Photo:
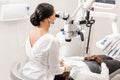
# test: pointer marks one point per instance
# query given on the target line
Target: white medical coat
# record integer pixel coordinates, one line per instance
(43, 63)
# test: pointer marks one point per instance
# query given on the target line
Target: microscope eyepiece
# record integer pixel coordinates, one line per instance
(57, 15)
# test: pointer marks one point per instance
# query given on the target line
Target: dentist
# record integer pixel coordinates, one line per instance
(42, 48)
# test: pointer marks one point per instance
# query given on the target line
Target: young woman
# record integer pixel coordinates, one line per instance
(42, 48)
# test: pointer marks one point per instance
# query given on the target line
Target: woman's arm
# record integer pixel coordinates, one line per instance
(54, 62)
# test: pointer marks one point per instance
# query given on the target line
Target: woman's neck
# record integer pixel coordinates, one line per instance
(44, 27)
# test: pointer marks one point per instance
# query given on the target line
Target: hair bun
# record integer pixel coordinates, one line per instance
(34, 20)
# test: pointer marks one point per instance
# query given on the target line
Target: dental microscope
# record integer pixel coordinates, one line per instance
(70, 21)
(71, 25)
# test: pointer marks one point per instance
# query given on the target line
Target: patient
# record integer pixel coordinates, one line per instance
(96, 67)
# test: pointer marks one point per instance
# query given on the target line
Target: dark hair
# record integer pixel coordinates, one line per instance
(43, 11)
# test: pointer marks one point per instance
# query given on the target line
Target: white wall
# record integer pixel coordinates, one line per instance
(14, 34)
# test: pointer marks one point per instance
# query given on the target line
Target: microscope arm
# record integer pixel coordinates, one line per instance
(111, 16)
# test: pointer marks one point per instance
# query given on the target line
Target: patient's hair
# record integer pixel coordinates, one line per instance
(43, 11)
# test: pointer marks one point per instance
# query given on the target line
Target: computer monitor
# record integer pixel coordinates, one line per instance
(109, 4)
(106, 1)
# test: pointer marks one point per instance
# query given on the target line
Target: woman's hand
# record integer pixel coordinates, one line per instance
(62, 63)
(67, 67)
(66, 75)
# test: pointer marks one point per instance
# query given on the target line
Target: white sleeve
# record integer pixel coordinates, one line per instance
(75, 58)
(54, 63)
(104, 71)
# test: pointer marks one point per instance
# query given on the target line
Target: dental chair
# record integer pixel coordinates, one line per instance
(16, 71)
(115, 75)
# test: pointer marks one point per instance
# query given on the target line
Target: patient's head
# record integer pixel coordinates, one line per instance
(42, 12)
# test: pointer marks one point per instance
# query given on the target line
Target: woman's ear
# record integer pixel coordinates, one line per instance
(49, 20)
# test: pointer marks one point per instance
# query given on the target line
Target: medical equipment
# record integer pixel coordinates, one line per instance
(13, 12)
(111, 16)
(4, 1)
(106, 3)
(110, 45)
(70, 21)
(72, 26)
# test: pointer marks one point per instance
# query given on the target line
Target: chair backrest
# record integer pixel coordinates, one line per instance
(16, 73)
(115, 73)
(116, 77)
